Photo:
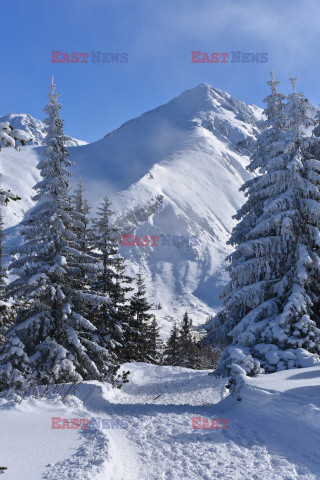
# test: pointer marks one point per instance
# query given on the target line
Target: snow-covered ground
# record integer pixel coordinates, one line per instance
(272, 434)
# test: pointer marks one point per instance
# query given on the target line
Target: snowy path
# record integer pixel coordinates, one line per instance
(263, 440)
(273, 433)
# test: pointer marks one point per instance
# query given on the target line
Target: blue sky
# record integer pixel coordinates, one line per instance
(158, 36)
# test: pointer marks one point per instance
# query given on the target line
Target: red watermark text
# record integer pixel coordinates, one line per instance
(198, 423)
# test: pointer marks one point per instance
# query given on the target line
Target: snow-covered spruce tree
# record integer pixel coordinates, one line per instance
(187, 349)
(50, 342)
(138, 341)
(3, 274)
(81, 212)
(110, 317)
(267, 144)
(207, 356)
(83, 273)
(5, 310)
(268, 306)
(314, 151)
(85, 267)
(155, 344)
(8, 307)
(171, 352)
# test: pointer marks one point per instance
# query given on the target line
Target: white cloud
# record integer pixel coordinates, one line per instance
(288, 30)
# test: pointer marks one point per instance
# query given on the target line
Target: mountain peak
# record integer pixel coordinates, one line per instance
(205, 97)
(196, 106)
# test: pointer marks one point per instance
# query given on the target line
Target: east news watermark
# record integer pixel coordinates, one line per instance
(199, 423)
(228, 57)
(97, 56)
(58, 423)
(163, 240)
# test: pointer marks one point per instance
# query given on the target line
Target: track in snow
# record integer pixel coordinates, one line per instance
(262, 442)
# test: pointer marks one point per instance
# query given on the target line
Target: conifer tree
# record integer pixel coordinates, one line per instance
(139, 348)
(171, 353)
(314, 154)
(81, 211)
(206, 356)
(111, 313)
(154, 343)
(8, 307)
(187, 348)
(190, 352)
(268, 310)
(85, 267)
(51, 341)
(267, 145)
(5, 311)
(2, 269)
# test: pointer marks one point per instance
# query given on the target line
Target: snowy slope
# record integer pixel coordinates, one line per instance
(35, 128)
(176, 170)
(272, 434)
(29, 447)
(18, 170)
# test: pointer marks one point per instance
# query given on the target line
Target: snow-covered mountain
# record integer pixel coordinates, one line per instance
(35, 128)
(176, 170)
